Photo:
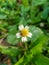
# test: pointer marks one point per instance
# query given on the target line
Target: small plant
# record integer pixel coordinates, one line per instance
(24, 32)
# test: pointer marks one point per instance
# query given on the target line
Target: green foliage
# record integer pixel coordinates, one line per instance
(33, 51)
(27, 12)
(41, 60)
(12, 51)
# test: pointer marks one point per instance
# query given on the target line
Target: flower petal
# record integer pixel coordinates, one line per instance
(21, 27)
(18, 35)
(27, 27)
(24, 39)
(29, 34)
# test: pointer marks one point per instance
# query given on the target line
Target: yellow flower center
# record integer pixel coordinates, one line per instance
(24, 32)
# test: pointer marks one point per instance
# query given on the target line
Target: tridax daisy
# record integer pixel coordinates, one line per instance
(24, 33)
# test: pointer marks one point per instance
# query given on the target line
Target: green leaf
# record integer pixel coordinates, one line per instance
(9, 50)
(41, 60)
(36, 33)
(2, 16)
(25, 3)
(44, 14)
(11, 39)
(12, 29)
(38, 2)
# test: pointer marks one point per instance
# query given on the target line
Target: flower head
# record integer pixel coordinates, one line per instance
(24, 33)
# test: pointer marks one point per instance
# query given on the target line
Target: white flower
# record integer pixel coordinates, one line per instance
(24, 33)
